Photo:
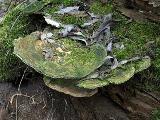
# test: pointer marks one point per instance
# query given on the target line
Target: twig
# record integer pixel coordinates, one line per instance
(66, 104)
(22, 79)
(20, 94)
(51, 111)
(44, 103)
(16, 109)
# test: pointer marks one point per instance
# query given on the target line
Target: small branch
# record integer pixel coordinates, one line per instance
(22, 79)
(20, 94)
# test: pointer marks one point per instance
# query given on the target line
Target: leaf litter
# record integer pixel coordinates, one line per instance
(102, 35)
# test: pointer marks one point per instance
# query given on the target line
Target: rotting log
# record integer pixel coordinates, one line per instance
(140, 9)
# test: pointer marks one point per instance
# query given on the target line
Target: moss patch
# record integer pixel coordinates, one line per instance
(16, 23)
(98, 8)
(139, 39)
(135, 37)
(156, 114)
(12, 28)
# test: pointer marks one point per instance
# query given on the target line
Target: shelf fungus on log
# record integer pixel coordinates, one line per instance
(68, 87)
(64, 58)
(68, 65)
(117, 76)
(142, 64)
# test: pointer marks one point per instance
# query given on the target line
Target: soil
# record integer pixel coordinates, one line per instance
(35, 101)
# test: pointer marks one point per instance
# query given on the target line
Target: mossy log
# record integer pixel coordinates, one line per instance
(137, 37)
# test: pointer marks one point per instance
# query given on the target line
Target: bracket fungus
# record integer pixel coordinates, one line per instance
(69, 87)
(62, 59)
(116, 76)
(68, 65)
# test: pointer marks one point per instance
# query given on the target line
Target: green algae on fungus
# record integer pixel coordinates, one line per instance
(70, 60)
(141, 65)
(118, 75)
(18, 24)
(68, 87)
(92, 83)
(66, 18)
(121, 75)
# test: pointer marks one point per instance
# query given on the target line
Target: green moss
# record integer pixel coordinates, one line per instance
(95, 7)
(156, 114)
(98, 8)
(156, 62)
(67, 19)
(11, 30)
(139, 39)
(60, 2)
(135, 37)
(55, 4)
(17, 23)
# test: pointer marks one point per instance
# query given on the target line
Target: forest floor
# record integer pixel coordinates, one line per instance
(36, 102)
(32, 100)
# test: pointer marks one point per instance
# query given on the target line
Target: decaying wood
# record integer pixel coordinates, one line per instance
(138, 9)
(134, 101)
